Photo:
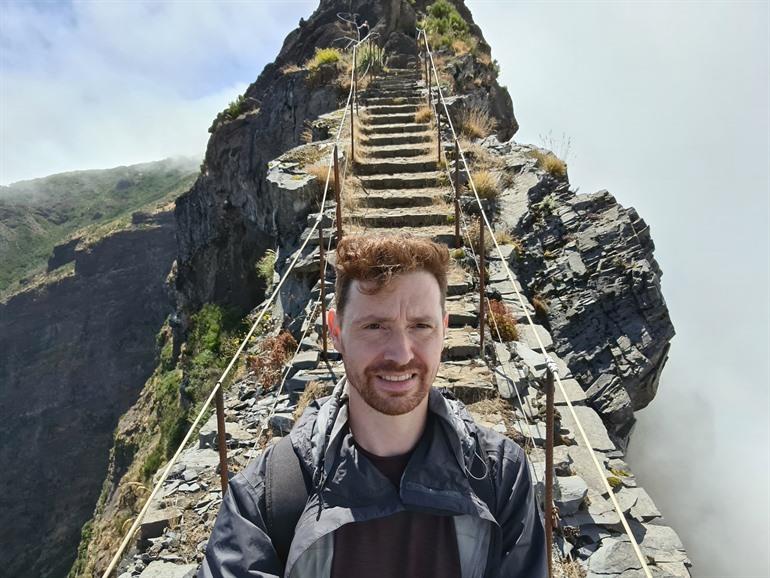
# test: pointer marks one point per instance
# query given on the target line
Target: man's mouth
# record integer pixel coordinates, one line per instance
(396, 378)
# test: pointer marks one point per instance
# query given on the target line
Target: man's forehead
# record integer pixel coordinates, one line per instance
(417, 289)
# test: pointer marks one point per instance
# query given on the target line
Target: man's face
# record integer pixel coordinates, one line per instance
(391, 341)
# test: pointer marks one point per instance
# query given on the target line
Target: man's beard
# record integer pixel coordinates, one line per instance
(393, 402)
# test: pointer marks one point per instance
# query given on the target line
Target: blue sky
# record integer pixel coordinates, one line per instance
(665, 104)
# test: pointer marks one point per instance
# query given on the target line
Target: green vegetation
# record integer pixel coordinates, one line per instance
(323, 56)
(444, 25)
(458, 254)
(38, 214)
(235, 108)
(369, 58)
(614, 482)
(266, 266)
(85, 538)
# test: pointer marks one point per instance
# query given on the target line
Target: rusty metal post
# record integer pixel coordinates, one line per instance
(548, 506)
(337, 194)
(321, 264)
(430, 88)
(221, 440)
(438, 131)
(482, 267)
(457, 194)
(352, 135)
(355, 76)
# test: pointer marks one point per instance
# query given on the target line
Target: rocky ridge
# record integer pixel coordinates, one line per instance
(504, 393)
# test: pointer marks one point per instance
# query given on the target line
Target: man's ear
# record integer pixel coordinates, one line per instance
(333, 323)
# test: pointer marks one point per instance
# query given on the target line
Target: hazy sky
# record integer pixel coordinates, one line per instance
(664, 104)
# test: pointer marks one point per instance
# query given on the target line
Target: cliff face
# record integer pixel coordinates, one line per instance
(75, 354)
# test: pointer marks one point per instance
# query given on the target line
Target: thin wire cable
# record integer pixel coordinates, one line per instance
(599, 468)
(225, 374)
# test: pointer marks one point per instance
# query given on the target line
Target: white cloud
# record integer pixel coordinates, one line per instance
(98, 84)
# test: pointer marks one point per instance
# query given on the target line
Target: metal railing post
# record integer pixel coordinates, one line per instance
(482, 290)
(337, 193)
(355, 76)
(438, 131)
(352, 135)
(548, 506)
(457, 194)
(322, 265)
(221, 439)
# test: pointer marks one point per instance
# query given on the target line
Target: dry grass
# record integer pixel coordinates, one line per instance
(319, 171)
(540, 305)
(460, 47)
(475, 121)
(273, 353)
(313, 391)
(566, 568)
(487, 184)
(423, 114)
(479, 157)
(550, 163)
(290, 68)
(474, 232)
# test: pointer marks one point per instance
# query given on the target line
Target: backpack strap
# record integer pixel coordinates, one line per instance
(286, 492)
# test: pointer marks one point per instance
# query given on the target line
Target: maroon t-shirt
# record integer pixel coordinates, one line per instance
(404, 545)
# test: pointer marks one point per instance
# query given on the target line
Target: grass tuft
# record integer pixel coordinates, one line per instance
(487, 184)
(550, 163)
(323, 56)
(423, 114)
(475, 121)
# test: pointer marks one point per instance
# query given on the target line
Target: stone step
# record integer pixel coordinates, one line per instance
(395, 128)
(403, 165)
(463, 310)
(386, 140)
(470, 380)
(389, 92)
(438, 233)
(458, 279)
(393, 151)
(389, 118)
(460, 344)
(393, 199)
(393, 85)
(391, 100)
(396, 218)
(393, 108)
(401, 180)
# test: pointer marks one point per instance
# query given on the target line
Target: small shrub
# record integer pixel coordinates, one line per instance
(450, 219)
(475, 121)
(273, 353)
(503, 238)
(423, 114)
(550, 163)
(444, 25)
(615, 482)
(540, 305)
(323, 56)
(486, 184)
(266, 266)
(501, 320)
(458, 254)
(235, 108)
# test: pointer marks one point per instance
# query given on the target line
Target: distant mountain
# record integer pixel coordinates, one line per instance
(38, 214)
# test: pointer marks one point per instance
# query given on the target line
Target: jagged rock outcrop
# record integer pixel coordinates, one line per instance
(589, 261)
(75, 354)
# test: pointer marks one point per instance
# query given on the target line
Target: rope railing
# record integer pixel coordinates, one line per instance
(431, 67)
(216, 392)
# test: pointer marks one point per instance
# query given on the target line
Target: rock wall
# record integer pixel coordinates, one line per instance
(75, 354)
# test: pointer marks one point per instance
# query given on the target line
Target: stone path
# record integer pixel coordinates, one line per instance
(398, 186)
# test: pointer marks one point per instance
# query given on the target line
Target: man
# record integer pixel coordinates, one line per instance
(403, 482)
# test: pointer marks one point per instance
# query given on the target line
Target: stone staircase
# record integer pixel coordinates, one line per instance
(398, 186)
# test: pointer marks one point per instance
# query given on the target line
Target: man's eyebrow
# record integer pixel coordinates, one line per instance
(380, 319)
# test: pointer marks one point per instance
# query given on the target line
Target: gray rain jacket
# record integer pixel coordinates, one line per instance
(502, 539)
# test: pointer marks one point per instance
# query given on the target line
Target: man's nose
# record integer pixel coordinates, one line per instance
(399, 348)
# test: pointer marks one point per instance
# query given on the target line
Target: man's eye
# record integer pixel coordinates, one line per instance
(372, 326)
(423, 326)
